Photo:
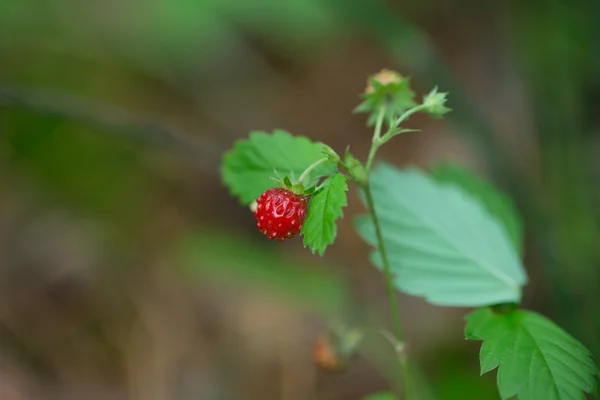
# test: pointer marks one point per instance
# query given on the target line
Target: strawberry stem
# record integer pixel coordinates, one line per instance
(379, 140)
(391, 292)
(387, 270)
(376, 142)
(310, 168)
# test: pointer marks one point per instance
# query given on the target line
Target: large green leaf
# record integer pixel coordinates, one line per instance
(325, 207)
(496, 203)
(535, 358)
(441, 243)
(247, 168)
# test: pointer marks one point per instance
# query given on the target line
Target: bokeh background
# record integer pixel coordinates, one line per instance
(128, 272)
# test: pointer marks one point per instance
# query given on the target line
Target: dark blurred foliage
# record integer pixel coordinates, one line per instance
(127, 270)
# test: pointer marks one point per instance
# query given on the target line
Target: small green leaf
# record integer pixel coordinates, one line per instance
(247, 168)
(442, 244)
(496, 203)
(325, 207)
(331, 154)
(381, 396)
(535, 358)
(355, 168)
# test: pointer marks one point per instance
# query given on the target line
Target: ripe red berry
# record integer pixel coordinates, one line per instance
(280, 213)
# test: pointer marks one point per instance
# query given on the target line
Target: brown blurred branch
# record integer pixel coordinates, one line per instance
(112, 120)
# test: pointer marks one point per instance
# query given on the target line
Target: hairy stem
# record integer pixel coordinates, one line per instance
(379, 140)
(408, 113)
(387, 270)
(391, 292)
(310, 168)
(376, 139)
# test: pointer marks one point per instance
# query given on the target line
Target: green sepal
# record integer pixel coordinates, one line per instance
(396, 97)
(357, 171)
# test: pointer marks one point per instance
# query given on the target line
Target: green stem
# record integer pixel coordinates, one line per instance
(408, 113)
(387, 270)
(391, 133)
(379, 140)
(389, 337)
(391, 291)
(310, 168)
(376, 142)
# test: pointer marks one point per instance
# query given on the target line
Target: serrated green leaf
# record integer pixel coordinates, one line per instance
(442, 244)
(381, 396)
(535, 358)
(497, 203)
(325, 208)
(247, 168)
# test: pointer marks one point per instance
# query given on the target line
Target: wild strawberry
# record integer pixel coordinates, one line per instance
(280, 213)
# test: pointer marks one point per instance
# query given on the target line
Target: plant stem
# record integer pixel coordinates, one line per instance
(408, 113)
(387, 270)
(391, 292)
(376, 142)
(310, 168)
(379, 140)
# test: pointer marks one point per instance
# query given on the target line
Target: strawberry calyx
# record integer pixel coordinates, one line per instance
(301, 187)
(297, 188)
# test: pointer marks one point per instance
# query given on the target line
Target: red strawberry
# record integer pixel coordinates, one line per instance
(280, 213)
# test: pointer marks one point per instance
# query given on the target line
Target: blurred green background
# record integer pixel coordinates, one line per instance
(128, 272)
